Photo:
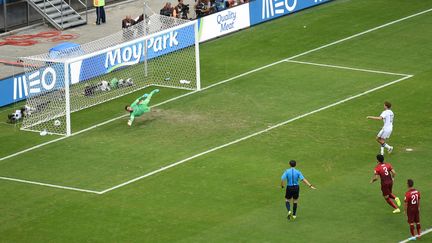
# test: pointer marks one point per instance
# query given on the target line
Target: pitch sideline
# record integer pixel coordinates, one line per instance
(423, 233)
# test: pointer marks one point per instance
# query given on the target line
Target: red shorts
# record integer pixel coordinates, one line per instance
(413, 215)
(386, 188)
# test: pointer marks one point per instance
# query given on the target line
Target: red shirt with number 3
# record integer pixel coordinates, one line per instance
(383, 170)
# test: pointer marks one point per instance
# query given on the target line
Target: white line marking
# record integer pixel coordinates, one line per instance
(349, 68)
(225, 81)
(10, 124)
(423, 233)
(9, 109)
(49, 185)
(32, 148)
(253, 134)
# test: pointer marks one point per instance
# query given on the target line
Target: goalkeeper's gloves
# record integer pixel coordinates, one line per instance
(156, 90)
(129, 123)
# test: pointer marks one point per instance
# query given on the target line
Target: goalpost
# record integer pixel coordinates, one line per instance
(159, 51)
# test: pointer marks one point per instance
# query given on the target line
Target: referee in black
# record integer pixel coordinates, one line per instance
(292, 176)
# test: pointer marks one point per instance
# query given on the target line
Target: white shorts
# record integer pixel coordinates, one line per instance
(384, 133)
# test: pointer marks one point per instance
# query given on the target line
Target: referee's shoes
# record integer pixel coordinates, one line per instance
(291, 216)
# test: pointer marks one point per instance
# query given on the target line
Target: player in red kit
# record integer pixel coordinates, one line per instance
(386, 172)
(412, 208)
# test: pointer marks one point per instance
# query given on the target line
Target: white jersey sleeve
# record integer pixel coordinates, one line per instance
(387, 117)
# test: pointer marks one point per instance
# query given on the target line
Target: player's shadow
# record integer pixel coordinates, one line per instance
(150, 117)
(146, 121)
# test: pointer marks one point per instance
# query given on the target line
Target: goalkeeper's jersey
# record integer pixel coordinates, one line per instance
(140, 106)
(139, 109)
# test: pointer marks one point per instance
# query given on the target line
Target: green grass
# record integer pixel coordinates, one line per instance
(232, 194)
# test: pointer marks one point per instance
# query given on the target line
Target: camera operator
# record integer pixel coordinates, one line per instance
(181, 11)
(202, 8)
(127, 22)
(167, 10)
(18, 115)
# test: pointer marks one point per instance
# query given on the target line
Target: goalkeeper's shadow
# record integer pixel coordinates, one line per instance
(145, 121)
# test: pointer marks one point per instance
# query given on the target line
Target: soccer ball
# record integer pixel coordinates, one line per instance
(57, 123)
(43, 133)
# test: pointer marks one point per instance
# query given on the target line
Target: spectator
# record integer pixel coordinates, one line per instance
(231, 3)
(202, 8)
(140, 18)
(167, 10)
(219, 5)
(126, 24)
(140, 27)
(100, 11)
(181, 11)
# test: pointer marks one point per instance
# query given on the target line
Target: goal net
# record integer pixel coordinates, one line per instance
(158, 51)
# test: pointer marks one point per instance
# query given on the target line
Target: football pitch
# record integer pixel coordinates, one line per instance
(206, 166)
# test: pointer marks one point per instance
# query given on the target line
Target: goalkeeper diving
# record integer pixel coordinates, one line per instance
(139, 106)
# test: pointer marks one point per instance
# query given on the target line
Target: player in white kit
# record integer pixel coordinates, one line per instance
(387, 116)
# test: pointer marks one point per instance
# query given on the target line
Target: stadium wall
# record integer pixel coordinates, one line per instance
(20, 86)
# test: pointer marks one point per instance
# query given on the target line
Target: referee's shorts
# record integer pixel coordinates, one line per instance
(292, 192)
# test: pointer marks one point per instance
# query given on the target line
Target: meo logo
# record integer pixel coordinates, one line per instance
(271, 8)
(36, 83)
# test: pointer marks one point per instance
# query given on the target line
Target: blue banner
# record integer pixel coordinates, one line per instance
(132, 53)
(265, 10)
(20, 86)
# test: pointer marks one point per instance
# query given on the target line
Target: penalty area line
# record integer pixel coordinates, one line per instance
(349, 68)
(202, 153)
(49, 185)
(254, 134)
(423, 233)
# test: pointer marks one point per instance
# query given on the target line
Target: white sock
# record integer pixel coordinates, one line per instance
(387, 146)
(382, 150)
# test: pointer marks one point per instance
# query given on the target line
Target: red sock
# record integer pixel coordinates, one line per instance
(392, 196)
(418, 229)
(389, 201)
(412, 229)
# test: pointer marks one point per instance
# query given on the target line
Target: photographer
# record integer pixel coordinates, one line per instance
(181, 11)
(167, 10)
(127, 22)
(18, 115)
(202, 8)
